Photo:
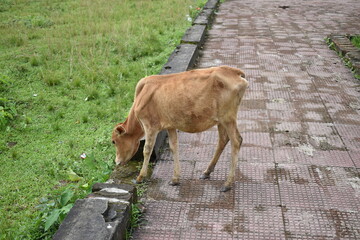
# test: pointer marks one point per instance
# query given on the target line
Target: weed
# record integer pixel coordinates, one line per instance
(84, 119)
(52, 79)
(355, 40)
(76, 82)
(14, 154)
(51, 108)
(100, 113)
(56, 127)
(111, 90)
(5, 5)
(7, 112)
(142, 188)
(27, 119)
(71, 143)
(60, 115)
(16, 41)
(92, 93)
(53, 211)
(37, 21)
(34, 61)
(4, 82)
(135, 220)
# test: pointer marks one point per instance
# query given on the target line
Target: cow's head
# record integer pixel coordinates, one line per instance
(126, 144)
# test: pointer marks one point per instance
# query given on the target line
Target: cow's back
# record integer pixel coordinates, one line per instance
(191, 101)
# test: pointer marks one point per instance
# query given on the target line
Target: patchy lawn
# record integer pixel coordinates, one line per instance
(68, 70)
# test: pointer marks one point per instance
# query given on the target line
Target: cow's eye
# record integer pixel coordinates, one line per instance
(113, 142)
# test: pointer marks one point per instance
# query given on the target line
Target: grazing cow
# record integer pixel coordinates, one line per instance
(191, 101)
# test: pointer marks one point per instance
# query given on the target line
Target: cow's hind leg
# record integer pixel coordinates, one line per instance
(223, 140)
(173, 142)
(236, 141)
(150, 137)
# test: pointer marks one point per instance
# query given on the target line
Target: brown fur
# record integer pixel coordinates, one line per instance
(191, 101)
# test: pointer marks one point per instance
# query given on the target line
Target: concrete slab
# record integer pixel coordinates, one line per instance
(211, 4)
(204, 17)
(195, 35)
(104, 214)
(85, 220)
(181, 59)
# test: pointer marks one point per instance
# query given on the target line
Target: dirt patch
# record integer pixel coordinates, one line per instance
(307, 149)
(127, 173)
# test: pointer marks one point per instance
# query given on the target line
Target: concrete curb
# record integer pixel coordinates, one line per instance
(105, 213)
(346, 49)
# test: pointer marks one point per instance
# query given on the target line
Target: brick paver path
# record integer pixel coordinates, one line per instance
(298, 173)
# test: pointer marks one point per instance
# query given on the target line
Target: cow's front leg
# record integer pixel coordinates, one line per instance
(173, 142)
(223, 140)
(150, 137)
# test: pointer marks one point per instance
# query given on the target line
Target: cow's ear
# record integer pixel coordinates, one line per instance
(120, 129)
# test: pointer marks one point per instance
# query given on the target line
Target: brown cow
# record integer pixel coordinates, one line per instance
(191, 101)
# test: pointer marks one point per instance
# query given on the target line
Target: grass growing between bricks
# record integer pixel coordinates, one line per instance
(68, 70)
(355, 40)
(344, 47)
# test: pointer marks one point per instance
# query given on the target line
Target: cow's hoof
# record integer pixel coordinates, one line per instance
(136, 181)
(225, 188)
(174, 183)
(205, 176)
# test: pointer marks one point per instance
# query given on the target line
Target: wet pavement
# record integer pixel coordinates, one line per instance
(299, 165)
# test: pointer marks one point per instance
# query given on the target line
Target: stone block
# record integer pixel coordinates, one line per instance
(181, 59)
(353, 55)
(123, 193)
(211, 4)
(104, 214)
(195, 35)
(204, 17)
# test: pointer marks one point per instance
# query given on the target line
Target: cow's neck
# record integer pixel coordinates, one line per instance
(133, 125)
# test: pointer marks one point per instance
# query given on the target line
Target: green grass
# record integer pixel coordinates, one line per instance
(355, 40)
(68, 70)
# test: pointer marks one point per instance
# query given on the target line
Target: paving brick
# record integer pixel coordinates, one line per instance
(254, 139)
(258, 222)
(256, 154)
(166, 215)
(157, 234)
(302, 195)
(291, 155)
(348, 131)
(219, 174)
(200, 191)
(253, 114)
(286, 127)
(210, 222)
(252, 126)
(332, 158)
(313, 174)
(320, 129)
(291, 139)
(257, 173)
(258, 194)
(321, 224)
(355, 157)
(286, 116)
(164, 170)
